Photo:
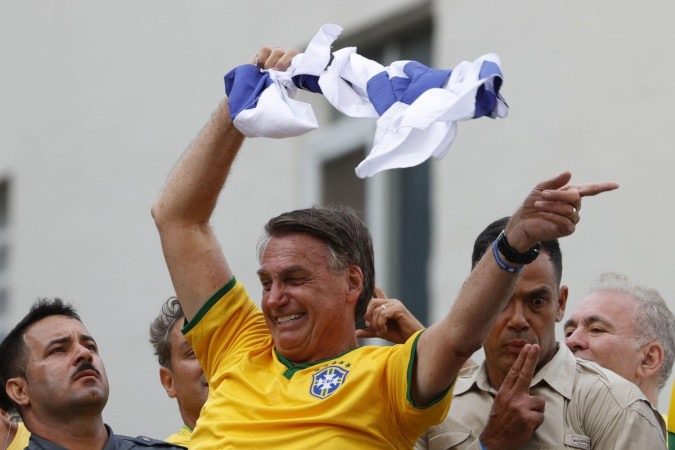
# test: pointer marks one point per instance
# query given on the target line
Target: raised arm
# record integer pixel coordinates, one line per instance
(182, 212)
(550, 211)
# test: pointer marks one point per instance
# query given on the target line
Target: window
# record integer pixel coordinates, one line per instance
(394, 203)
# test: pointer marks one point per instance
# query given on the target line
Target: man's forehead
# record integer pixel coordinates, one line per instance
(177, 339)
(55, 326)
(606, 305)
(271, 270)
(178, 325)
(292, 254)
(294, 244)
(538, 276)
(583, 317)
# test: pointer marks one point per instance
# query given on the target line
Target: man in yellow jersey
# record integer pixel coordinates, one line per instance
(53, 375)
(179, 372)
(292, 375)
(12, 432)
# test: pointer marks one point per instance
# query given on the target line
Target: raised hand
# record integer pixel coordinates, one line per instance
(388, 319)
(515, 414)
(273, 58)
(550, 211)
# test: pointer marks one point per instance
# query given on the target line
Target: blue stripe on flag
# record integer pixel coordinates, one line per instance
(422, 78)
(488, 69)
(381, 92)
(307, 82)
(485, 102)
(243, 86)
(384, 91)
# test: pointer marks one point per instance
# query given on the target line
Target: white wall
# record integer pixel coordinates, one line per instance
(98, 101)
(588, 84)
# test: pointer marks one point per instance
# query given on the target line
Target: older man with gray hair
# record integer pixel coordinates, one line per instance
(626, 328)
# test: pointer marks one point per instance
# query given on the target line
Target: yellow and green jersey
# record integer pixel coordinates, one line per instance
(670, 420)
(182, 437)
(21, 438)
(258, 399)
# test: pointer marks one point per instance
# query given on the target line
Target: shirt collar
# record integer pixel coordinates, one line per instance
(37, 442)
(558, 374)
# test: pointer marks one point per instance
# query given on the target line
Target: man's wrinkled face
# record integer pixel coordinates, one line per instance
(601, 330)
(64, 371)
(308, 308)
(529, 318)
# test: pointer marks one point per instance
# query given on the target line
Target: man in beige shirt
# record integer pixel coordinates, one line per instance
(531, 392)
(626, 328)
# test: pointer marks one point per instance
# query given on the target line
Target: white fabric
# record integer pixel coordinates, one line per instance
(406, 135)
(278, 114)
(344, 83)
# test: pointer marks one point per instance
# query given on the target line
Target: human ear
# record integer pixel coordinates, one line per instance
(652, 360)
(16, 389)
(354, 283)
(166, 378)
(563, 292)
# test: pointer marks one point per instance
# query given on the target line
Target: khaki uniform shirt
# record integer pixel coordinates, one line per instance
(587, 407)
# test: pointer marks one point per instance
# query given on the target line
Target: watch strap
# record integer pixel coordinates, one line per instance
(514, 256)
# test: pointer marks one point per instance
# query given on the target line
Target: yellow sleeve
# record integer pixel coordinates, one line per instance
(671, 419)
(20, 441)
(181, 438)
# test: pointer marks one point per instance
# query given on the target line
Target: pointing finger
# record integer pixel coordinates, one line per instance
(590, 189)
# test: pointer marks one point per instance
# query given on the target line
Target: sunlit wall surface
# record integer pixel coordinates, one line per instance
(100, 99)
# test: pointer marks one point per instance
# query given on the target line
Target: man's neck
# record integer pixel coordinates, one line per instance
(188, 419)
(650, 391)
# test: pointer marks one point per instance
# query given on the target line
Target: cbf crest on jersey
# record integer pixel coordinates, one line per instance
(327, 381)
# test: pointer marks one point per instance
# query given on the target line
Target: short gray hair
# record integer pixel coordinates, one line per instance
(652, 320)
(160, 330)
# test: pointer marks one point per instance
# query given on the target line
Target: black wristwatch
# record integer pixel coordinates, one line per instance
(513, 255)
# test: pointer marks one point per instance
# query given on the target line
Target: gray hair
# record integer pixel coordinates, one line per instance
(160, 330)
(652, 320)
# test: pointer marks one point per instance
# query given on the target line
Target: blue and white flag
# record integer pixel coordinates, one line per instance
(417, 107)
(262, 102)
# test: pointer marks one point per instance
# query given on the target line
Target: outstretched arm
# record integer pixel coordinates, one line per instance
(550, 211)
(182, 212)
